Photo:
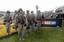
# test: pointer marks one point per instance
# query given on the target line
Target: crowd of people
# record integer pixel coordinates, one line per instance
(22, 21)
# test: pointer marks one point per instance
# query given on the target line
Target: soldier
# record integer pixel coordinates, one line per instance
(29, 21)
(33, 19)
(21, 22)
(15, 21)
(7, 20)
(38, 18)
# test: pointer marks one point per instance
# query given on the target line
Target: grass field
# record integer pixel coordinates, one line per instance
(43, 35)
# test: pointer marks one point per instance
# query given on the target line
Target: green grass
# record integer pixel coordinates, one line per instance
(43, 35)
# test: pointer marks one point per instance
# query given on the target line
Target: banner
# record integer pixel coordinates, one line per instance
(51, 22)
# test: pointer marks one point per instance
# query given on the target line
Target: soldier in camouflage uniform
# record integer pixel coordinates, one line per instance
(29, 21)
(21, 22)
(15, 20)
(7, 20)
(38, 18)
(33, 19)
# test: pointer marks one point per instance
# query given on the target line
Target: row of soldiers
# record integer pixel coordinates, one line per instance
(22, 22)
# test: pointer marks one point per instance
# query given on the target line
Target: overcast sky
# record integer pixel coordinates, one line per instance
(44, 5)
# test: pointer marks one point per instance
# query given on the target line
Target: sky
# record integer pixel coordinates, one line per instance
(44, 5)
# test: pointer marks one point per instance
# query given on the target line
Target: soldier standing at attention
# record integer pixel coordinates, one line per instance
(15, 20)
(7, 20)
(39, 18)
(33, 19)
(21, 22)
(29, 21)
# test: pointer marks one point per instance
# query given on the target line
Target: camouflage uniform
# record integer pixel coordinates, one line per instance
(33, 19)
(21, 22)
(38, 18)
(15, 20)
(7, 20)
(29, 21)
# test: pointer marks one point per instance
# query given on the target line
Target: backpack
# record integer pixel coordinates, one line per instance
(21, 19)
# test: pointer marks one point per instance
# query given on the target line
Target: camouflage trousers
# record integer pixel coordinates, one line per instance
(21, 30)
